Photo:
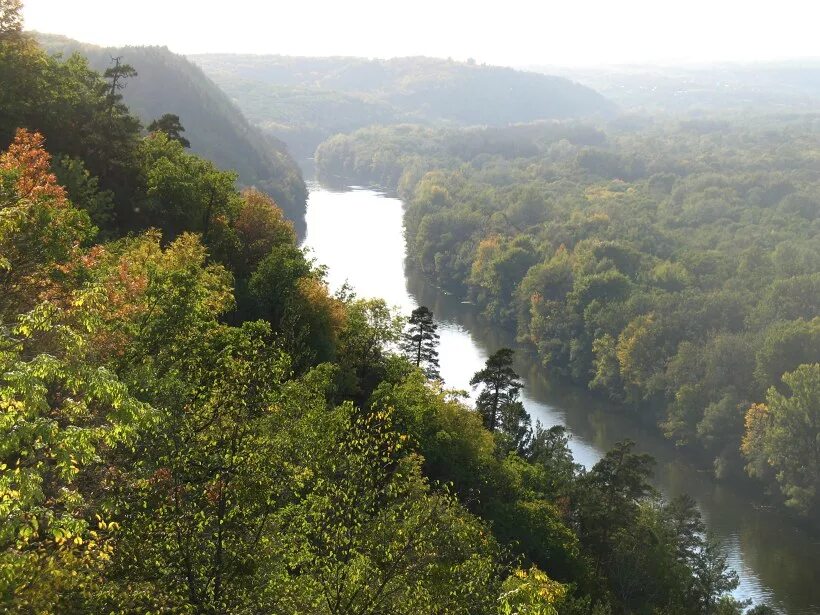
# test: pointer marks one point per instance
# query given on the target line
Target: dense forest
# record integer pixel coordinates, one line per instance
(167, 81)
(190, 423)
(670, 266)
(303, 101)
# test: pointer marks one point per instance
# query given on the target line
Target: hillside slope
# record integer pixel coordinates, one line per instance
(305, 100)
(216, 128)
(765, 87)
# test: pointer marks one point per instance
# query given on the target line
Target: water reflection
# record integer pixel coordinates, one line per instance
(358, 235)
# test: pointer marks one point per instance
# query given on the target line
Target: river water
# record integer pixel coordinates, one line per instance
(358, 234)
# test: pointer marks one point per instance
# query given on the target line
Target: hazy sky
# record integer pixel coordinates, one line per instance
(512, 32)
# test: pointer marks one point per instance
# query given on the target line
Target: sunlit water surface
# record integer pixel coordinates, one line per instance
(358, 235)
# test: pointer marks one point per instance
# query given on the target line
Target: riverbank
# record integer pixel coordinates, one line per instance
(775, 560)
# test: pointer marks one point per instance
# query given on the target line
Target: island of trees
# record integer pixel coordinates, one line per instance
(191, 423)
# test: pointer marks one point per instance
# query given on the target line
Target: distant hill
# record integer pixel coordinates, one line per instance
(216, 128)
(782, 87)
(305, 100)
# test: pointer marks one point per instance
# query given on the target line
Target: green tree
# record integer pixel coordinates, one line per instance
(367, 534)
(420, 339)
(186, 193)
(362, 354)
(84, 191)
(118, 74)
(261, 226)
(550, 448)
(171, 126)
(11, 18)
(610, 496)
(430, 417)
(63, 422)
(500, 387)
(531, 592)
(287, 292)
(784, 434)
(208, 470)
(514, 426)
(709, 576)
(784, 346)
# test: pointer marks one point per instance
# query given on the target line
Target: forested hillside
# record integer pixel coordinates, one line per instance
(770, 87)
(673, 267)
(190, 423)
(217, 130)
(305, 100)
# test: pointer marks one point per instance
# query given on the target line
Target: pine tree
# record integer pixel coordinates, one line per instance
(118, 74)
(171, 126)
(515, 427)
(501, 387)
(420, 341)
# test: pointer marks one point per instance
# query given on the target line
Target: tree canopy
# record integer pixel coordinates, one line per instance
(191, 423)
(669, 266)
(171, 125)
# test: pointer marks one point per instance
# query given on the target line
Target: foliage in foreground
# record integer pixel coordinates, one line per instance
(157, 459)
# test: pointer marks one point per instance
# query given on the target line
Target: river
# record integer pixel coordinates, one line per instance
(358, 234)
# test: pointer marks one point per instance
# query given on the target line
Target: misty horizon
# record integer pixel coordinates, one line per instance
(534, 67)
(592, 35)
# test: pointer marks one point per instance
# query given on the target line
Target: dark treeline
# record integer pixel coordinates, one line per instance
(673, 267)
(190, 423)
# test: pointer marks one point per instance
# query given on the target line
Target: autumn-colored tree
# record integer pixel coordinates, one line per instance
(261, 226)
(40, 234)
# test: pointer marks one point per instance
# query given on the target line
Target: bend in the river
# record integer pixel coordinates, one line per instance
(358, 234)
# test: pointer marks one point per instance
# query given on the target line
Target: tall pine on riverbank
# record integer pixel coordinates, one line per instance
(420, 341)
